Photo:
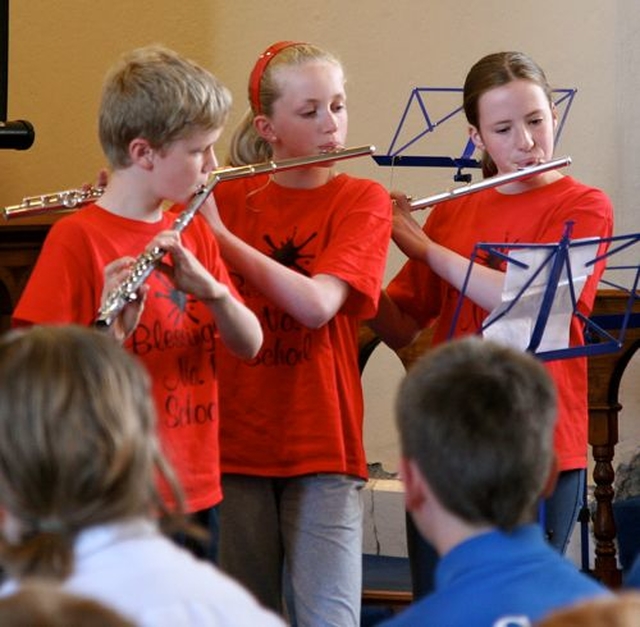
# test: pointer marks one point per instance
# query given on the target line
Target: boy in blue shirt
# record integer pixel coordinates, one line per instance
(476, 423)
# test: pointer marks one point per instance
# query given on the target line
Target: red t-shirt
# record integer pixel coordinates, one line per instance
(535, 216)
(297, 407)
(175, 339)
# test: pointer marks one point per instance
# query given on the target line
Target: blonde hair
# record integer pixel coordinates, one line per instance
(246, 144)
(47, 605)
(621, 610)
(78, 443)
(156, 94)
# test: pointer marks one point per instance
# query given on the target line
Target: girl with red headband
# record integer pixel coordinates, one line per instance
(307, 250)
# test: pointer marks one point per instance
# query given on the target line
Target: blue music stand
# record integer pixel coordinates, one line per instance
(557, 263)
(397, 156)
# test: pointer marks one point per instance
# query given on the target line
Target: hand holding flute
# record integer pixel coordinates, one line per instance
(233, 320)
(185, 272)
(126, 322)
(407, 233)
(188, 275)
(415, 244)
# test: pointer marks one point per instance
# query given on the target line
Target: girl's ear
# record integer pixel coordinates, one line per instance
(141, 153)
(554, 115)
(264, 128)
(476, 138)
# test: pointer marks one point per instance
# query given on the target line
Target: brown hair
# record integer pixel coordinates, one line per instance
(78, 443)
(246, 144)
(478, 420)
(495, 70)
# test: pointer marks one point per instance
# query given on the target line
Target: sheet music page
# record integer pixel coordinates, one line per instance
(516, 326)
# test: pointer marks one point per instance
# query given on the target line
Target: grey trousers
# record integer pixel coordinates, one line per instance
(310, 528)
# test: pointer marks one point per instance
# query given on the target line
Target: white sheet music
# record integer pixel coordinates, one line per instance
(516, 326)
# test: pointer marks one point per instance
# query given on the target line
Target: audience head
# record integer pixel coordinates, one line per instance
(477, 420)
(78, 443)
(622, 610)
(47, 605)
(155, 94)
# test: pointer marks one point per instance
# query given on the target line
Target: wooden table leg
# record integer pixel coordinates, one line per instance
(603, 436)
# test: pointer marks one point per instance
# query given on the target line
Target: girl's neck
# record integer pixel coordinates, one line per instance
(304, 177)
(535, 182)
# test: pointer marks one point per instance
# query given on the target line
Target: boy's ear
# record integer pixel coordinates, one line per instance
(414, 484)
(141, 153)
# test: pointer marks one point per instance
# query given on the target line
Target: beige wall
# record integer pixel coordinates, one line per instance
(60, 50)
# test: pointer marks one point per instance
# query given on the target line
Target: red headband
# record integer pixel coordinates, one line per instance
(258, 70)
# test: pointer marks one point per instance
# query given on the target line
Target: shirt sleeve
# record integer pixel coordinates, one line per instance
(359, 246)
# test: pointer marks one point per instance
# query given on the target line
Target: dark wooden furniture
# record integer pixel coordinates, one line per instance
(605, 375)
(20, 243)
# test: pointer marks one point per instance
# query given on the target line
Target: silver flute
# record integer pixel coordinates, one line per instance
(492, 181)
(127, 290)
(57, 201)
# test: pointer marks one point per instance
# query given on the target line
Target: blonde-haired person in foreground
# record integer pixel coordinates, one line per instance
(622, 610)
(79, 459)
